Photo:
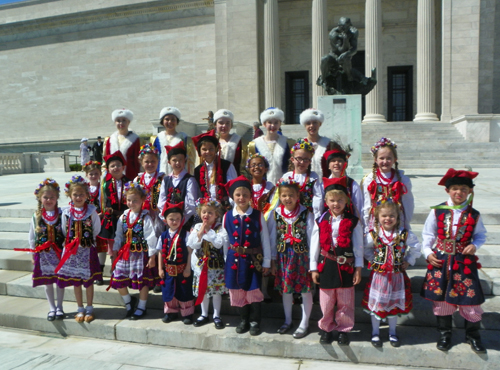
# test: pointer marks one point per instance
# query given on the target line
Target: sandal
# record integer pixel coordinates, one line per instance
(80, 317)
(51, 316)
(89, 317)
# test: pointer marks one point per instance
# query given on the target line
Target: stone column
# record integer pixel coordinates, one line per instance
(319, 45)
(272, 75)
(373, 59)
(426, 63)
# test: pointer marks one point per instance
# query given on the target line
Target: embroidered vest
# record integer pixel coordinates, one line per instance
(215, 256)
(225, 197)
(95, 200)
(298, 230)
(381, 249)
(139, 244)
(81, 229)
(325, 235)
(154, 193)
(46, 232)
(175, 256)
(176, 194)
(306, 195)
(246, 232)
(111, 194)
(465, 230)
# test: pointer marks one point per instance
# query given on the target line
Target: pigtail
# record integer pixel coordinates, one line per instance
(38, 216)
(374, 170)
(396, 167)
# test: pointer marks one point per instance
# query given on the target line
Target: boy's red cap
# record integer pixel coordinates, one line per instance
(330, 154)
(454, 177)
(335, 184)
(173, 208)
(240, 181)
(115, 156)
(179, 145)
(206, 136)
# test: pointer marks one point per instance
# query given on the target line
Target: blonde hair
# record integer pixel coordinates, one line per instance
(72, 186)
(38, 212)
(331, 193)
(387, 205)
(394, 153)
(91, 166)
(135, 190)
(217, 209)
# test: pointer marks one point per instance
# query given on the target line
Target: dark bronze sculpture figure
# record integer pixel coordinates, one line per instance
(337, 74)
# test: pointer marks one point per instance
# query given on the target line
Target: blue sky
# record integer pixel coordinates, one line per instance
(10, 1)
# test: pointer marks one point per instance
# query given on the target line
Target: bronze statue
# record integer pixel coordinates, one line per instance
(337, 74)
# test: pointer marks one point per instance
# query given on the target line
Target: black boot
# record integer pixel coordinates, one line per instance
(101, 282)
(244, 325)
(444, 328)
(255, 318)
(472, 336)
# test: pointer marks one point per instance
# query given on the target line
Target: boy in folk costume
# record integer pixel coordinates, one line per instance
(452, 234)
(125, 141)
(336, 261)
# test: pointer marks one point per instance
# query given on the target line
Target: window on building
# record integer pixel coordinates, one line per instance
(400, 93)
(297, 95)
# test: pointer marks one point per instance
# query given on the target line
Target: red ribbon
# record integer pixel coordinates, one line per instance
(398, 189)
(203, 282)
(372, 189)
(70, 250)
(291, 238)
(123, 254)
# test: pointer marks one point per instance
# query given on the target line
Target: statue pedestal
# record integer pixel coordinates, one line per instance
(343, 123)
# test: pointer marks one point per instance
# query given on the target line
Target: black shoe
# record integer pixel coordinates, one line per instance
(268, 300)
(169, 317)
(187, 320)
(376, 342)
(326, 337)
(343, 339)
(285, 328)
(133, 304)
(255, 318)
(140, 316)
(255, 328)
(51, 316)
(243, 327)
(219, 324)
(244, 324)
(99, 282)
(476, 345)
(157, 289)
(394, 341)
(444, 326)
(60, 314)
(473, 337)
(200, 321)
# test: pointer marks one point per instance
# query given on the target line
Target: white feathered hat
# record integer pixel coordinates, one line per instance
(223, 113)
(170, 110)
(128, 114)
(311, 114)
(272, 112)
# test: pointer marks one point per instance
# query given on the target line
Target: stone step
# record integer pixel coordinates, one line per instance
(15, 224)
(11, 240)
(17, 212)
(418, 343)
(11, 260)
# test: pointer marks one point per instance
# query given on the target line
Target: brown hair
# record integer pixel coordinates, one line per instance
(91, 167)
(73, 186)
(38, 212)
(387, 205)
(135, 190)
(394, 153)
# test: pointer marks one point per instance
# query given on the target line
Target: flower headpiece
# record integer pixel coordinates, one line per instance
(257, 155)
(133, 185)
(287, 182)
(74, 180)
(48, 181)
(303, 144)
(384, 141)
(200, 202)
(87, 166)
(147, 149)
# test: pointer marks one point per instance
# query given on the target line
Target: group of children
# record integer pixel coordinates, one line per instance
(213, 233)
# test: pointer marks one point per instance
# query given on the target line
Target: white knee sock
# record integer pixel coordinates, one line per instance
(307, 304)
(127, 299)
(375, 326)
(287, 306)
(204, 306)
(392, 324)
(60, 297)
(141, 305)
(217, 303)
(49, 293)
(102, 258)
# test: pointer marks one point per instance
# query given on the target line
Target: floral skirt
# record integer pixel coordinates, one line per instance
(216, 283)
(134, 274)
(43, 269)
(292, 274)
(83, 268)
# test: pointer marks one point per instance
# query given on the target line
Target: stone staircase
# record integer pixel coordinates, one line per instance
(25, 307)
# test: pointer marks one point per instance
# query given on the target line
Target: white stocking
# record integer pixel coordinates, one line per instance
(392, 324)
(217, 303)
(375, 326)
(204, 306)
(307, 304)
(49, 292)
(287, 306)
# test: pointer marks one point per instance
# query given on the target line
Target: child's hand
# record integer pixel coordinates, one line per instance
(315, 276)
(33, 260)
(161, 273)
(265, 270)
(151, 262)
(201, 232)
(405, 265)
(434, 261)
(273, 268)
(356, 279)
(114, 255)
(187, 272)
(470, 249)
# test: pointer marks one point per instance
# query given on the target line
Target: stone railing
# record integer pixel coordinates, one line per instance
(11, 163)
(33, 162)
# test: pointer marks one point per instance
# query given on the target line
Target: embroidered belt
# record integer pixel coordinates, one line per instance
(341, 260)
(450, 246)
(242, 250)
(174, 270)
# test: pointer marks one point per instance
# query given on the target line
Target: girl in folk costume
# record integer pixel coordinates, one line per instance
(150, 181)
(290, 227)
(230, 144)
(390, 249)
(175, 267)
(134, 252)
(125, 141)
(248, 255)
(179, 186)
(93, 173)
(312, 119)
(170, 118)
(336, 261)
(386, 183)
(273, 146)
(113, 199)
(45, 240)
(311, 190)
(214, 172)
(452, 280)
(335, 162)
(79, 263)
(206, 238)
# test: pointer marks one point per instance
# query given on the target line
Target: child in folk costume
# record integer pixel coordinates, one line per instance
(312, 119)
(92, 171)
(248, 255)
(311, 190)
(113, 199)
(169, 118)
(335, 162)
(336, 261)
(452, 234)
(179, 186)
(175, 267)
(125, 141)
(273, 146)
(45, 240)
(79, 263)
(290, 227)
(386, 183)
(134, 252)
(214, 172)
(230, 144)
(390, 249)
(207, 262)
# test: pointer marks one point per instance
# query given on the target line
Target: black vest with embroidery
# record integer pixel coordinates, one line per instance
(306, 195)
(448, 221)
(82, 229)
(380, 250)
(176, 194)
(138, 244)
(298, 230)
(43, 231)
(215, 256)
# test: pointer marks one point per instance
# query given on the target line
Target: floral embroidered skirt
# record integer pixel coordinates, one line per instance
(83, 268)
(216, 283)
(134, 274)
(292, 274)
(43, 269)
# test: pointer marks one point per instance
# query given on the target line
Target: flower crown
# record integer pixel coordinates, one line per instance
(147, 149)
(384, 141)
(74, 180)
(49, 182)
(257, 155)
(287, 182)
(207, 202)
(92, 163)
(303, 144)
(133, 185)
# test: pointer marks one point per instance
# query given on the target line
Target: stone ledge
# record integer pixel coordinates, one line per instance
(479, 128)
